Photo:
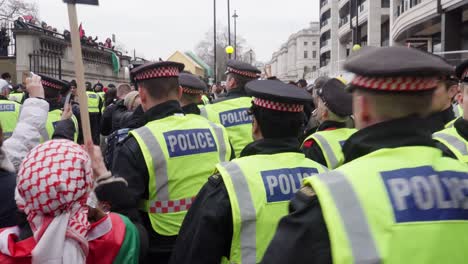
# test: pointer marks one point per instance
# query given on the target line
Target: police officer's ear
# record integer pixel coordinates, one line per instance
(256, 131)
(362, 110)
(179, 92)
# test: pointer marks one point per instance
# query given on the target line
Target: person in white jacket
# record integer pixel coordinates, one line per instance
(32, 119)
(12, 152)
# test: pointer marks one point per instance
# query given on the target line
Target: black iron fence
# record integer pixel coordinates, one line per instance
(7, 38)
(47, 64)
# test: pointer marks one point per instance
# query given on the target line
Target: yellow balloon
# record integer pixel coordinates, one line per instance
(229, 49)
(356, 47)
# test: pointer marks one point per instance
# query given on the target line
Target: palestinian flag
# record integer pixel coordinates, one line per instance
(115, 62)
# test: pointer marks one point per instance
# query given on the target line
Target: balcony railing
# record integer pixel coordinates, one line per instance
(324, 43)
(405, 5)
(324, 23)
(343, 21)
(323, 3)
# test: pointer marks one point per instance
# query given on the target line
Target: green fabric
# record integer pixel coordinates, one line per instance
(430, 241)
(239, 135)
(115, 63)
(334, 138)
(186, 174)
(267, 213)
(9, 114)
(130, 250)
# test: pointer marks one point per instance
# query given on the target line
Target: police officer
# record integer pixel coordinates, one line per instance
(442, 108)
(398, 200)
(165, 162)
(454, 140)
(94, 108)
(237, 209)
(18, 94)
(231, 110)
(53, 91)
(334, 107)
(9, 110)
(192, 92)
(98, 89)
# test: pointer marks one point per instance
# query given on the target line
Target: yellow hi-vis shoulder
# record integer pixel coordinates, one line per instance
(399, 205)
(9, 114)
(331, 143)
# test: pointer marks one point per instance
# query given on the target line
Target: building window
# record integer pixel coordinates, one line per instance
(314, 54)
(306, 54)
(314, 68)
(314, 43)
(306, 43)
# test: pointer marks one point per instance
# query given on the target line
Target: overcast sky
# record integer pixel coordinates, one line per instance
(157, 28)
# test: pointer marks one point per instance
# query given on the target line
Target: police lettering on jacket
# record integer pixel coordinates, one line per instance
(189, 142)
(282, 184)
(235, 117)
(422, 194)
(7, 108)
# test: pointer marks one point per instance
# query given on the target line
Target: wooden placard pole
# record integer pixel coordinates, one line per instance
(79, 72)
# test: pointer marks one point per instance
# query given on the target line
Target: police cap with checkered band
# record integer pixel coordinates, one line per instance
(155, 70)
(191, 84)
(54, 86)
(278, 96)
(242, 69)
(462, 72)
(396, 69)
(336, 98)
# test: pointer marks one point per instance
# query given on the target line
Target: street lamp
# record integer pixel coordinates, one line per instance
(229, 23)
(214, 40)
(251, 55)
(235, 16)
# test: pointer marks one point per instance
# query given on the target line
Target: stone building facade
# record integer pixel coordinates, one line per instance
(298, 58)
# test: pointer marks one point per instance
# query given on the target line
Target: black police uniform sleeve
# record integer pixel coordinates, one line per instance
(64, 129)
(314, 152)
(206, 233)
(7, 195)
(129, 164)
(302, 236)
(76, 112)
(106, 120)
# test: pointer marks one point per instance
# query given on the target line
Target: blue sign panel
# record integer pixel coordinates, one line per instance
(422, 194)
(282, 184)
(189, 142)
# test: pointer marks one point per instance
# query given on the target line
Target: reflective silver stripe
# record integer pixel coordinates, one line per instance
(203, 112)
(328, 150)
(221, 143)
(453, 141)
(247, 213)
(456, 110)
(159, 163)
(356, 227)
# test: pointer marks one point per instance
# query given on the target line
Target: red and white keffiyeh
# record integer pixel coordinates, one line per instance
(53, 184)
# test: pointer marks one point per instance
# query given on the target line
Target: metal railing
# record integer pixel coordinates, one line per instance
(7, 39)
(47, 64)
